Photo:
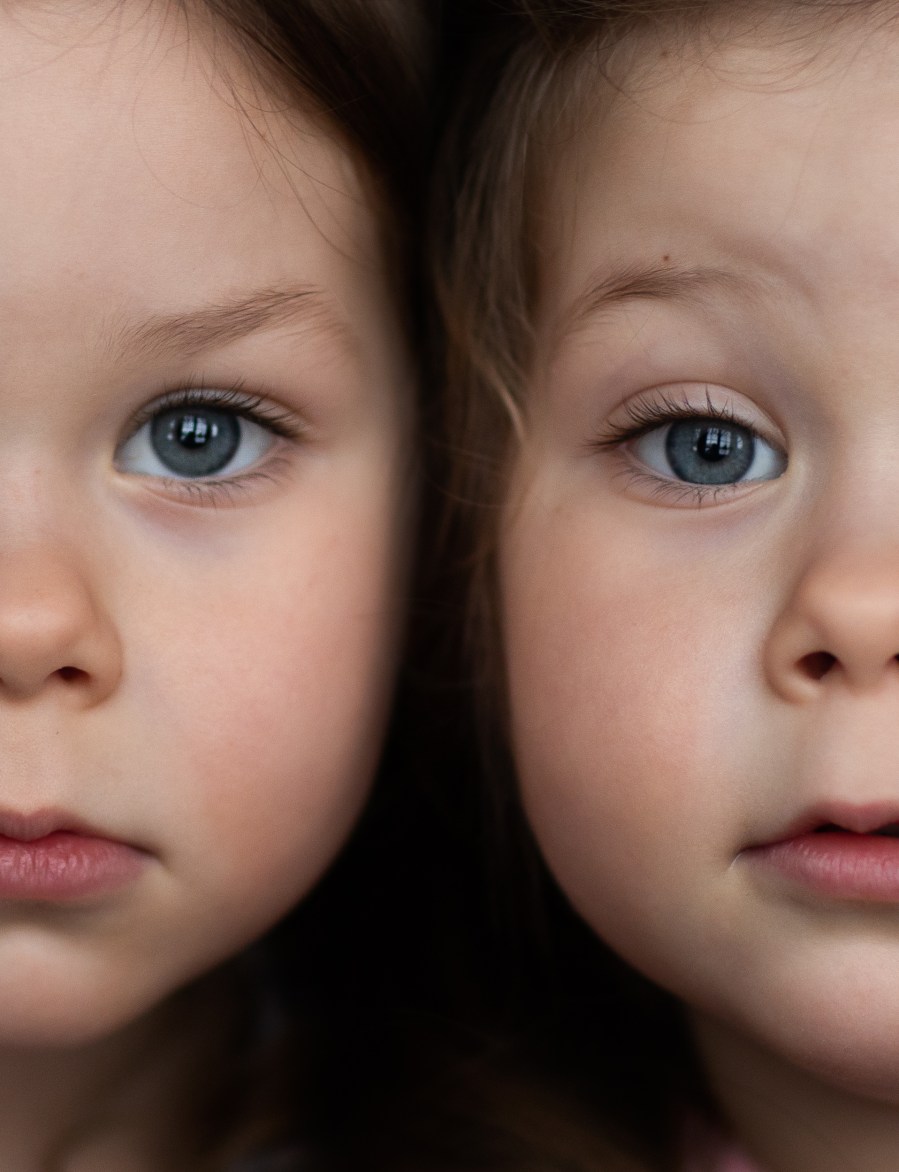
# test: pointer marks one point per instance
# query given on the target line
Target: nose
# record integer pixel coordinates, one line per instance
(54, 635)
(840, 624)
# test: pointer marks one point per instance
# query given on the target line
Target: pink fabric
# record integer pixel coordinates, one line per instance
(708, 1152)
(729, 1159)
(734, 1160)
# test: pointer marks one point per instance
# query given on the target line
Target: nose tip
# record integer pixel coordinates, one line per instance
(52, 636)
(839, 628)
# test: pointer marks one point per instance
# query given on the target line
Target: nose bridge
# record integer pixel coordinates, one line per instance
(839, 624)
(54, 628)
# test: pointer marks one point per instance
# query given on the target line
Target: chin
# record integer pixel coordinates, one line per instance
(864, 1063)
(49, 999)
(841, 1029)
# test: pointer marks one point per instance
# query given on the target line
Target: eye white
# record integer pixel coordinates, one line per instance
(651, 449)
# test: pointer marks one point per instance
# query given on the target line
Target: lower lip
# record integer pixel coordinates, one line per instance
(64, 865)
(841, 866)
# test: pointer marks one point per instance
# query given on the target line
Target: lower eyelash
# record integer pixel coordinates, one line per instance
(223, 492)
(676, 491)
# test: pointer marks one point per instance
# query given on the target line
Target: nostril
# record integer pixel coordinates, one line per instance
(817, 664)
(71, 674)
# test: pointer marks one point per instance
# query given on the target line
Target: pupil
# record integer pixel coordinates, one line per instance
(195, 442)
(714, 443)
(705, 451)
(193, 431)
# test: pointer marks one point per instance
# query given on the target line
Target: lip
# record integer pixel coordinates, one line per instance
(51, 856)
(831, 851)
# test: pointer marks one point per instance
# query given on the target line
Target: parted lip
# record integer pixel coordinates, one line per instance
(39, 823)
(855, 818)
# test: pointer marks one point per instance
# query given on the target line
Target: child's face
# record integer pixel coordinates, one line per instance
(702, 620)
(197, 597)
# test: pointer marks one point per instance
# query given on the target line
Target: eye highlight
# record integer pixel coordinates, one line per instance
(197, 436)
(678, 446)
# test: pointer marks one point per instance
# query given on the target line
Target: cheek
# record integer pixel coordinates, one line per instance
(629, 702)
(272, 685)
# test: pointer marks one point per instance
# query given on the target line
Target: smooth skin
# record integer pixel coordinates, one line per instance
(198, 667)
(727, 237)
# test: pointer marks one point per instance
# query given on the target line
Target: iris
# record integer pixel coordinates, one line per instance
(709, 451)
(195, 442)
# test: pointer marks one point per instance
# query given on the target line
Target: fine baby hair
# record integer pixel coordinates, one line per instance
(207, 502)
(667, 258)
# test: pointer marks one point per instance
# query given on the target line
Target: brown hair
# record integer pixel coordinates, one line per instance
(365, 1050)
(366, 66)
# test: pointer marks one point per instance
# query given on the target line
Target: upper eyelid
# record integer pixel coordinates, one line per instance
(234, 397)
(671, 404)
(651, 420)
(615, 435)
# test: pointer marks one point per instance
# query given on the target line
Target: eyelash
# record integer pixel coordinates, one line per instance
(233, 397)
(643, 417)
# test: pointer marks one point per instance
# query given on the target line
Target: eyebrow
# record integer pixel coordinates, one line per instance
(656, 282)
(209, 326)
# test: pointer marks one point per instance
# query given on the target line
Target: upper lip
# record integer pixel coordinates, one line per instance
(857, 818)
(40, 823)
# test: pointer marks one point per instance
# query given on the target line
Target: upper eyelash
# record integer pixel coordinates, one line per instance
(643, 417)
(193, 393)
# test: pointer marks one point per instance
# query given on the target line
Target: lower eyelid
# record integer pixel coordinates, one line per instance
(222, 490)
(667, 491)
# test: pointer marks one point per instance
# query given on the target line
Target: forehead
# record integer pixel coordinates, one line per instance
(138, 147)
(768, 155)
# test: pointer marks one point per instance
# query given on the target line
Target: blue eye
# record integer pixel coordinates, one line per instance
(708, 451)
(194, 441)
